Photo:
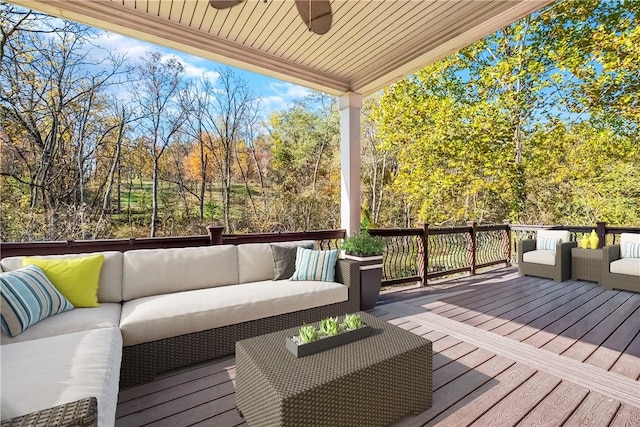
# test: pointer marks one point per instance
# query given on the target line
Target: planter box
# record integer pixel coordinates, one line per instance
(327, 342)
(370, 279)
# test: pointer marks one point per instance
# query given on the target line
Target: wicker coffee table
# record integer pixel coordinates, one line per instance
(370, 382)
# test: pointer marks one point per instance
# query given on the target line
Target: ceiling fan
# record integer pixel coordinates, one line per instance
(316, 14)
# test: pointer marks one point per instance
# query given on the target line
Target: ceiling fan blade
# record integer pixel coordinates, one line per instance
(221, 4)
(316, 14)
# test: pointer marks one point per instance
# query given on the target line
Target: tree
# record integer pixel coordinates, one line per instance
(52, 112)
(305, 168)
(476, 132)
(156, 96)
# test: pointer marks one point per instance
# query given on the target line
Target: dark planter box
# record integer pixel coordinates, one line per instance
(370, 279)
(327, 342)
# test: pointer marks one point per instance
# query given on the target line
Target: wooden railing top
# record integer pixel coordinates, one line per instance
(237, 239)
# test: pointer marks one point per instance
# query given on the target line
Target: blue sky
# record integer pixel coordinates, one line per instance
(276, 95)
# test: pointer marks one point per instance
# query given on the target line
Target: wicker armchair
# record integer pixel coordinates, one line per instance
(560, 270)
(609, 280)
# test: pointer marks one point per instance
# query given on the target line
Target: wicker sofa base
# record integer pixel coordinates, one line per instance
(143, 362)
(81, 413)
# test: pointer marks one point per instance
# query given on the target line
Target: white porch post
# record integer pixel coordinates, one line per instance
(350, 105)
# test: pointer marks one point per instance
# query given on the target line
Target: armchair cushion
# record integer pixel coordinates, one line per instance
(632, 242)
(628, 266)
(546, 244)
(631, 250)
(563, 235)
(540, 257)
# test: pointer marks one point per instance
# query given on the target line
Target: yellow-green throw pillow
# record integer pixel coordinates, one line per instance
(76, 278)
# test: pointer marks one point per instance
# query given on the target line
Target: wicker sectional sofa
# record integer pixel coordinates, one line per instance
(160, 309)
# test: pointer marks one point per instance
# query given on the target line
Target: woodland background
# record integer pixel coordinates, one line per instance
(537, 123)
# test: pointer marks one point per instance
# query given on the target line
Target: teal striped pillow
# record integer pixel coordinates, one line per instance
(315, 265)
(632, 250)
(27, 298)
(546, 244)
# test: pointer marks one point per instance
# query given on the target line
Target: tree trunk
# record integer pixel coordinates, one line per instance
(154, 197)
(203, 177)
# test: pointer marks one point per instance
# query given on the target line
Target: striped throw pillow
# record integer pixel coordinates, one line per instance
(632, 250)
(27, 298)
(547, 244)
(315, 265)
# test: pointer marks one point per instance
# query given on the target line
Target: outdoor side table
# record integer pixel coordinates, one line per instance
(585, 264)
(370, 382)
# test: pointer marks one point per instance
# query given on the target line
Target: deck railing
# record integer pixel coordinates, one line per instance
(412, 254)
(420, 254)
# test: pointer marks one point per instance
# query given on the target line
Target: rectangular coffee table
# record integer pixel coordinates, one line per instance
(370, 382)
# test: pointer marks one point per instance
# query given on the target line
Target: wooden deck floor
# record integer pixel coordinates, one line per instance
(507, 351)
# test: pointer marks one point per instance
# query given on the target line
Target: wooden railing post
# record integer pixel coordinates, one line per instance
(506, 243)
(423, 253)
(601, 231)
(215, 234)
(471, 246)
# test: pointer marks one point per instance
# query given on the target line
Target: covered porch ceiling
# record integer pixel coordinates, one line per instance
(370, 45)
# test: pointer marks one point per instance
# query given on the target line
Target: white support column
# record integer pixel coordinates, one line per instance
(350, 105)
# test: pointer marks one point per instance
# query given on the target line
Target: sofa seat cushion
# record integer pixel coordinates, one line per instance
(39, 374)
(76, 320)
(164, 316)
(628, 266)
(540, 257)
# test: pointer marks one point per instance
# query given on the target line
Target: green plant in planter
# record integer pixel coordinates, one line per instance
(308, 333)
(329, 326)
(352, 321)
(361, 243)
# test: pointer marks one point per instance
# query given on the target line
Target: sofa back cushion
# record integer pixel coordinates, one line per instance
(629, 245)
(148, 272)
(110, 283)
(255, 262)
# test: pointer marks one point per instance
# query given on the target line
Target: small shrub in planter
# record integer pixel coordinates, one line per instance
(363, 244)
(330, 333)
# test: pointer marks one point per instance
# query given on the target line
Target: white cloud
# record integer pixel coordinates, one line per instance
(290, 90)
(132, 48)
(283, 96)
(275, 103)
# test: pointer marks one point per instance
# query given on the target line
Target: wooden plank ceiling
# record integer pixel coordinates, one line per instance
(370, 44)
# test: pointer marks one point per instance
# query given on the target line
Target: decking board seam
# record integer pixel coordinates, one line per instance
(593, 378)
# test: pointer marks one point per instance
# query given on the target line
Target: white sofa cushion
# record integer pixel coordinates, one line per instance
(627, 238)
(540, 257)
(76, 320)
(110, 285)
(629, 266)
(39, 374)
(148, 272)
(163, 316)
(255, 262)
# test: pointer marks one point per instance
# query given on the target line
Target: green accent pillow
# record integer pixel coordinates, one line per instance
(28, 297)
(76, 278)
(315, 265)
